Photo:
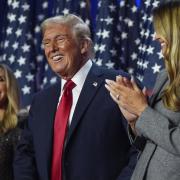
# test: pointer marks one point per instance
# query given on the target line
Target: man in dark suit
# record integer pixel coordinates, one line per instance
(96, 145)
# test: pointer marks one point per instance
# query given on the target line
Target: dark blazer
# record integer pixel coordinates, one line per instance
(97, 145)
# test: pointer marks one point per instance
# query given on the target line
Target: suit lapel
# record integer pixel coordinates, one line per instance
(159, 86)
(90, 88)
(49, 115)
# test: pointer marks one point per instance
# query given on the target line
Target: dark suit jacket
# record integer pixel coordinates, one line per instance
(97, 145)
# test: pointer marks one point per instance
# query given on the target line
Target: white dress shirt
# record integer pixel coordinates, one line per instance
(79, 79)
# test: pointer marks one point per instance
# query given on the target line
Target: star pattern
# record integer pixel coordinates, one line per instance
(18, 48)
(130, 45)
(149, 56)
(123, 39)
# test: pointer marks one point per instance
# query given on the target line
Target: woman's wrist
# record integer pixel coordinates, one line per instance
(141, 109)
(132, 125)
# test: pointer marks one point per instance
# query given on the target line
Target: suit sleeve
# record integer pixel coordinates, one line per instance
(138, 142)
(126, 173)
(132, 155)
(160, 130)
(24, 161)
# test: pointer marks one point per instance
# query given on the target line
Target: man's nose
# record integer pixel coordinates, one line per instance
(54, 46)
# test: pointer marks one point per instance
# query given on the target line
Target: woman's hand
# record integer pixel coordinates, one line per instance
(127, 95)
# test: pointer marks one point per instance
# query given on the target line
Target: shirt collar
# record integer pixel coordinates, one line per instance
(80, 76)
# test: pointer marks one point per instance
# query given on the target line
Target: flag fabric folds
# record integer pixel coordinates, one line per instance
(122, 32)
(150, 58)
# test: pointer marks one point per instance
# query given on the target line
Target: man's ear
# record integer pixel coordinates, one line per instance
(84, 46)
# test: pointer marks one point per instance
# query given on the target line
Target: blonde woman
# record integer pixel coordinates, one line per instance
(9, 134)
(155, 124)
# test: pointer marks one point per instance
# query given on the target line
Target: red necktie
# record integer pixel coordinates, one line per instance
(60, 125)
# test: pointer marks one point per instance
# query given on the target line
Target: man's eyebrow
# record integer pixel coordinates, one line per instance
(59, 35)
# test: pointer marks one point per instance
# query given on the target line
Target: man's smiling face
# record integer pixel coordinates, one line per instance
(62, 50)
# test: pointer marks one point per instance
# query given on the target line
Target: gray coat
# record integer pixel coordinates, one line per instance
(159, 129)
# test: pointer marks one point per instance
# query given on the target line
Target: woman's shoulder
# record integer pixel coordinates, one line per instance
(15, 131)
(13, 134)
(162, 74)
(11, 137)
(161, 80)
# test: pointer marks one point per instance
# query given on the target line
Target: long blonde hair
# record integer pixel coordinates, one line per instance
(166, 22)
(10, 119)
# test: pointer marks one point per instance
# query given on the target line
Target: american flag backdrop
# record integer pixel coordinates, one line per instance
(150, 58)
(121, 30)
(63, 7)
